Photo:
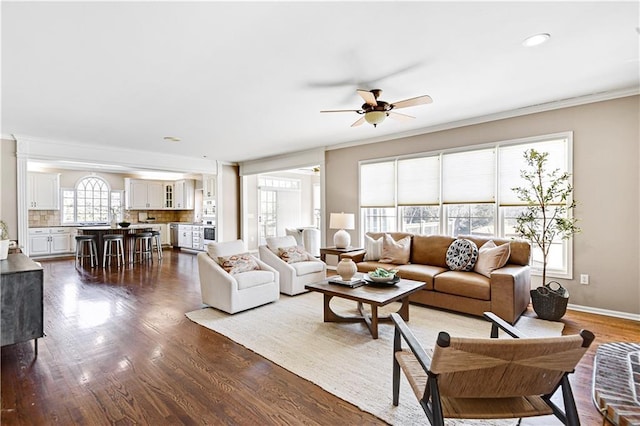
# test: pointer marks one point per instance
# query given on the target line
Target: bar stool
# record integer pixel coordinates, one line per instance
(109, 241)
(82, 243)
(155, 239)
(142, 246)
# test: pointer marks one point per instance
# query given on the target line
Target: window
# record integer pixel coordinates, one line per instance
(91, 201)
(460, 193)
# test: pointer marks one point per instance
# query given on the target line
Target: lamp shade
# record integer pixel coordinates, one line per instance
(342, 221)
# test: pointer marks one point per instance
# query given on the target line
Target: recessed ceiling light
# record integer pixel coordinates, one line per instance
(535, 40)
(172, 139)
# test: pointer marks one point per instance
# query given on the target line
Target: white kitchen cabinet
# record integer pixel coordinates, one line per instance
(46, 241)
(208, 187)
(43, 191)
(197, 238)
(169, 189)
(164, 234)
(185, 236)
(184, 192)
(144, 194)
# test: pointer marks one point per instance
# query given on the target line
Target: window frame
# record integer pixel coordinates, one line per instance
(499, 211)
(110, 197)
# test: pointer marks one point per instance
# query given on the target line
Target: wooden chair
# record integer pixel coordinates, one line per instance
(472, 378)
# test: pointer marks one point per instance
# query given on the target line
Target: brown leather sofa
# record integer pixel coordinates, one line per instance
(505, 293)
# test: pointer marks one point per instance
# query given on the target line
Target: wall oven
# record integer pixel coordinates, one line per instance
(209, 234)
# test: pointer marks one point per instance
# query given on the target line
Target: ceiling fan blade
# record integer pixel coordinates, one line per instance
(420, 100)
(341, 110)
(368, 97)
(400, 117)
(359, 122)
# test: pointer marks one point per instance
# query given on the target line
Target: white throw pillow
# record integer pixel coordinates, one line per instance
(373, 248)
(491, 257)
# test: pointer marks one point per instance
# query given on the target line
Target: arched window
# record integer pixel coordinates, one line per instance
(92, 200)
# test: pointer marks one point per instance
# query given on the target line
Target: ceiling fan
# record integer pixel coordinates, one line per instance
(375, 111)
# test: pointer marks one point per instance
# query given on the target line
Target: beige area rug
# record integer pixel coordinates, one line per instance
(342, 358)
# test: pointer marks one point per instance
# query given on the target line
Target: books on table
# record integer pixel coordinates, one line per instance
(355, 281)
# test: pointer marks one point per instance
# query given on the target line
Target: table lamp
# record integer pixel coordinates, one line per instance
(342, 221)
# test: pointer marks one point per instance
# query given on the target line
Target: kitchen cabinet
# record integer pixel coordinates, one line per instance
(185, 236)
(184, 192)
(144, 194)
(47, 241)
(208, 187)
(43, 191)
(169, 189)
(197, 237)
(163, 229)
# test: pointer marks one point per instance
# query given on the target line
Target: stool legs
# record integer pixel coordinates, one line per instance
(143, 249)
(108, 252)
(81, 250)
(158, 245)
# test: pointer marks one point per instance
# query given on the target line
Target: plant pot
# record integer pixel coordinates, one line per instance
(550, 303)
(4, 249)
(346, 269)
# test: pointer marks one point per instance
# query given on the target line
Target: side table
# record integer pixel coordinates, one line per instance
(324, 251)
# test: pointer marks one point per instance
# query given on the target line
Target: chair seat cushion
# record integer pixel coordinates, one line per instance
(308, 267)
(254, 278)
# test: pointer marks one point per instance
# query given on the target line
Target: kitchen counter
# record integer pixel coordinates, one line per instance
(107, 227)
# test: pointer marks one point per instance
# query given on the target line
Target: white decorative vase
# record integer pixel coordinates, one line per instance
(4, 249)
(346, 269)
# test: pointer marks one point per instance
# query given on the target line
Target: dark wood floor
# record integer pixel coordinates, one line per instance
(119, 350)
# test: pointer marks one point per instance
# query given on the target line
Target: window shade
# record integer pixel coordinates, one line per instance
(468, 177)
(512, 161)
(419, 181)
(377, 184)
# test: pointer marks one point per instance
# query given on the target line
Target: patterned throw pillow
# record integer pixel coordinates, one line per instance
(462, 255)
(293, 254)
(492, 257)
(396, 252)
(373, 248)
(238, 263)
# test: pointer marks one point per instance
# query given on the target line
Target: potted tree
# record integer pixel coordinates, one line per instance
(543, 221)
(4, 240)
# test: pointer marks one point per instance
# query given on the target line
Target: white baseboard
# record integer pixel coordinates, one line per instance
(607, 312)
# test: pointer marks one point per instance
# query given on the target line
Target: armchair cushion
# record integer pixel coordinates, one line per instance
(310, 267)
(276, 242)
(294, 254)
(216, 250)
(254, 278)
(238, 263)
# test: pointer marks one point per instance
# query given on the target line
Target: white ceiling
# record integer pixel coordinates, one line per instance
(239, 81)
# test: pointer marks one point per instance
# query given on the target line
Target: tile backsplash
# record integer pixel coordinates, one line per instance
(40, 218)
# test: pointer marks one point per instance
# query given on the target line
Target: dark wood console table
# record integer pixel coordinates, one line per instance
(21, 300)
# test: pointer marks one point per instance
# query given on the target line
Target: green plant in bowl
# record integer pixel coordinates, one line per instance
(383, 275)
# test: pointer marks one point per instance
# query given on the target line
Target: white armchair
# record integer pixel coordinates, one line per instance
(293, 276)
(237, 292)
(308, 237)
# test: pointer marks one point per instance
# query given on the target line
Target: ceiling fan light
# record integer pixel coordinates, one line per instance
(536, 40)
(375, 117)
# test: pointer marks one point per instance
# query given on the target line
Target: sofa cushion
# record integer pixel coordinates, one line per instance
(294, 254)
(424, 273)
(466, 284)
(396, 252)
(238, 263)
(520, 249)
(462, 255)
(372, 247)
(430, 249)
(492, 257)
(254, 278)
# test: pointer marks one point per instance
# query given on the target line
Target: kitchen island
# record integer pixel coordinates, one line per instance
(128, 232)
